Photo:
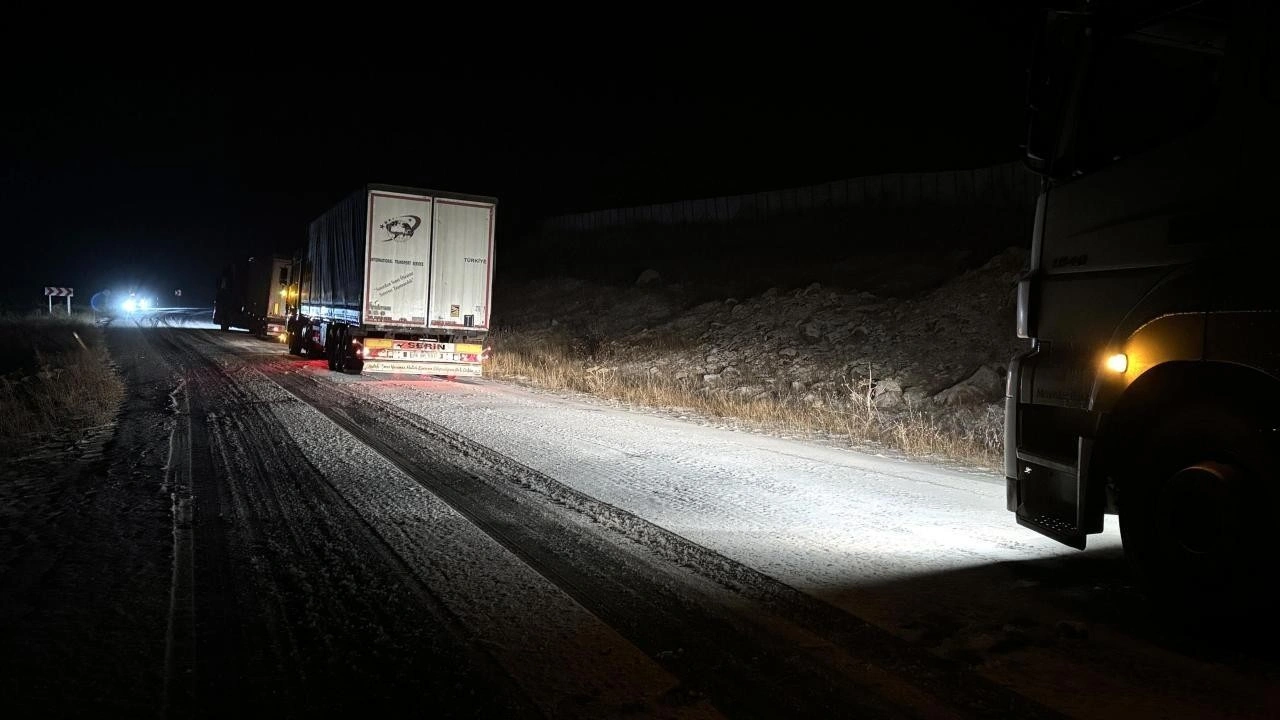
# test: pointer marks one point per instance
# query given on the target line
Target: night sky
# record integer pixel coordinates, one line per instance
(132, 169)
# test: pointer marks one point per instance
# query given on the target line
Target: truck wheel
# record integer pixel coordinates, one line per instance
(1193, 509)
(329, 344)
(225, 327)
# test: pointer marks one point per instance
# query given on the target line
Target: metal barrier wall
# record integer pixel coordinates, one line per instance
(1005, 187)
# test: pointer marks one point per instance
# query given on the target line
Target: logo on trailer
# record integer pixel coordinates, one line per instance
(455, 310)
(401, 227)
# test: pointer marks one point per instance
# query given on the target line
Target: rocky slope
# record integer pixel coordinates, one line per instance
(943, 351)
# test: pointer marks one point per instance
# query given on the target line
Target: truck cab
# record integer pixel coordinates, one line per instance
(1151, 383)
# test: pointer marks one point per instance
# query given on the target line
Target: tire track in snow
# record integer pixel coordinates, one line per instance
(337, 497)
(246, 598)
(179, 656)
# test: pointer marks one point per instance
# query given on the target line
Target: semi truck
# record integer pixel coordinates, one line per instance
(252, 294)
(1151, 385)
(397, 280)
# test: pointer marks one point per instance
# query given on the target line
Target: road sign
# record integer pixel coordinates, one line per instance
(52, 292)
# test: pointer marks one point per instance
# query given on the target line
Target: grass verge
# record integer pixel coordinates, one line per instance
(56, 379)
(971, 435)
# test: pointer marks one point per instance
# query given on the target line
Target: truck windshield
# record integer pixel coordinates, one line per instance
(1151, 79)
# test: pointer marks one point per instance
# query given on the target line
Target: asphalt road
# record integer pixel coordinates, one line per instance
(259, 536)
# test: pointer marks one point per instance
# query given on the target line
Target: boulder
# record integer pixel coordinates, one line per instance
(983, 386)
(811, 332)
(649, 277)
(913, 396)
(887, 393)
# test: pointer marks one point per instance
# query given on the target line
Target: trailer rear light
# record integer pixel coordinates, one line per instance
(284, 337)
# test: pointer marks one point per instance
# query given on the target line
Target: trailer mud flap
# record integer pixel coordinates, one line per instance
(1049, 496)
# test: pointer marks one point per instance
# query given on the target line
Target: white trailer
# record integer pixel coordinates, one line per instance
(398, 280)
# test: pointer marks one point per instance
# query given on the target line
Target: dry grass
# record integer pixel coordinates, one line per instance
(969, 435)
(55, 378)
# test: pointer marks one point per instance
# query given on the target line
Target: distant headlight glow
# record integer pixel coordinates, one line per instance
(129, 305)
(1118, 363)
(144, 304)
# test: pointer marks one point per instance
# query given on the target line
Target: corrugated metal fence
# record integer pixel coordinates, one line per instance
(1008, 187)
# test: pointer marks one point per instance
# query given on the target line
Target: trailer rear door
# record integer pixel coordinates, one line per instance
(461, 264)
(398, 255)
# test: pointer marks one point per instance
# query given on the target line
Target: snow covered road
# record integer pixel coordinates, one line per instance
(925, 552)
(343, 544)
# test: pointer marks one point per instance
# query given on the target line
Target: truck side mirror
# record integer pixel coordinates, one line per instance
(1058, 71)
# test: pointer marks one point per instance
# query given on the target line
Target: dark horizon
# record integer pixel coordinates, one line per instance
(122, 174)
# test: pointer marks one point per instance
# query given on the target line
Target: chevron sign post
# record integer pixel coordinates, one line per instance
(52, 292)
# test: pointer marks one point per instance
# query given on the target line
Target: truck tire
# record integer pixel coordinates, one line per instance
(1194, 507)
(352, 362)
(329, 350)
(340, 349)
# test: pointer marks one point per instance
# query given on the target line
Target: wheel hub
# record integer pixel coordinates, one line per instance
(1198, 507)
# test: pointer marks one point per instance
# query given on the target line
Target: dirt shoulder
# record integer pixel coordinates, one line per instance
(85, 567)
(57, 381)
